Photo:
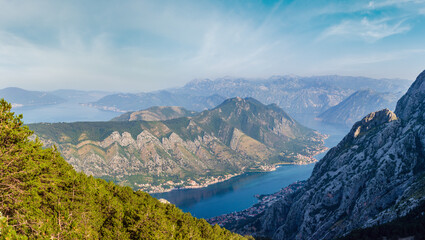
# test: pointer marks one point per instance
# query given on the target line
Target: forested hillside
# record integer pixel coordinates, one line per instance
(43, 197)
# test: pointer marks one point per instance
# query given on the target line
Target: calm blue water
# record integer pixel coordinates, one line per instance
(238, 193)
(65, 112)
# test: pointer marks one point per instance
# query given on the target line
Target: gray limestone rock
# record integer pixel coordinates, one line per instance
(375, 174)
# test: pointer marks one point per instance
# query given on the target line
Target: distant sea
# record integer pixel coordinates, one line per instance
(64, 112)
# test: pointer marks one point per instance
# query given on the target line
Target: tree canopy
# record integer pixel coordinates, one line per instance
(43, 197)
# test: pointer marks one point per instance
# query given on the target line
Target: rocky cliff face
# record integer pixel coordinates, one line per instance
(376, 173)
(239, 135)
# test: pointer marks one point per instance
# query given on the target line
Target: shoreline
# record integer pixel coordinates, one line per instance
(265, 169)
(230, 220)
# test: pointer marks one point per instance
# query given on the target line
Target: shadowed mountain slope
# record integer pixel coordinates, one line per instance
(358, 105)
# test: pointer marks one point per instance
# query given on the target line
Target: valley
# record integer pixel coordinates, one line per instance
(238, 136)
(238, 193)
(241, 151)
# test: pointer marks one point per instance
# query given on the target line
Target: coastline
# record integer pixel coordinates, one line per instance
(305, 160)
(231, 220)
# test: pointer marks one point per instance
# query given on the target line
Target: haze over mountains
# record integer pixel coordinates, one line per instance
(296, 95)
(237, 136)
(358, 105)
(155, 114)
(19, 97)
(293, 94)
(124, 102)
(23, 98)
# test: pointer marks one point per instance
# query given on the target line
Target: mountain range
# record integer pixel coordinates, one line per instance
(19, 97)
(43, 197)
(376, 174)
(295, 95)
(23, 98)
(125, 102)
(239, 135)
(302, 97)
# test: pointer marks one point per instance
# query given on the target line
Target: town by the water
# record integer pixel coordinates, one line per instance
(264, 202)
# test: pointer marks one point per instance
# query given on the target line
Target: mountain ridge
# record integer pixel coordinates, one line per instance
(43, 197)
(237, 136)
(295, 95)
(357, 105)
(156, 113)
(24, 98)
(125, 102)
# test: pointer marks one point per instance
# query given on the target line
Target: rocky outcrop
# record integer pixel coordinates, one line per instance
(371, 121)
(376, 173)
(408, 106)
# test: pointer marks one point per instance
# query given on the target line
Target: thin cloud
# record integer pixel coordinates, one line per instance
(147, 45)
(385, 3)
(365, 29)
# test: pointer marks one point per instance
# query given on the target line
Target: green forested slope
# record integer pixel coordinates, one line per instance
(43, 197)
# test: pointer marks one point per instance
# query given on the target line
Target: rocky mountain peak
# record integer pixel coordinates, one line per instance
(418, 85)
(371, 121)
(238, 104)
(412, 103)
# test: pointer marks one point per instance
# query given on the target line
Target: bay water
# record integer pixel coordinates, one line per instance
(239, 192)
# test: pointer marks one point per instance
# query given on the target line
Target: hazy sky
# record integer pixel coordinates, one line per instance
(147, 45)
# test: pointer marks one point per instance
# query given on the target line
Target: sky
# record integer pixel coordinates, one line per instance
(139, 46)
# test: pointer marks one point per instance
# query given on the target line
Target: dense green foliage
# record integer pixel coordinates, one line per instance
(43, 197)
(7, 232)
(410, 225)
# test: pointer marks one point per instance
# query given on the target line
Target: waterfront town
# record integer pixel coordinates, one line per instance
(264, 202)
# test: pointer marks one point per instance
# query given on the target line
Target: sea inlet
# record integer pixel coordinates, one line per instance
(239, 192)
